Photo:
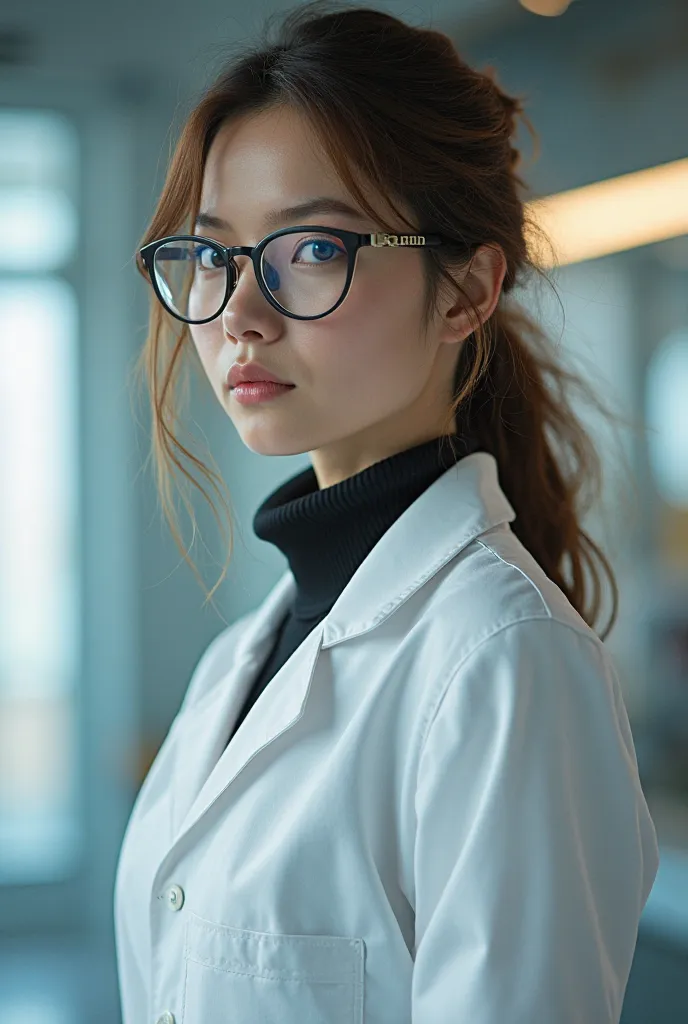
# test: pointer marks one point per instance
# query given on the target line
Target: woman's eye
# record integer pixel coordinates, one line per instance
(207, 258)
(321, 251)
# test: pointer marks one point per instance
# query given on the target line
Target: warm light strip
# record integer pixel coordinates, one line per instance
(614, 215)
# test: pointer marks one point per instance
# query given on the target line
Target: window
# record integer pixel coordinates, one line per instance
(40, 835)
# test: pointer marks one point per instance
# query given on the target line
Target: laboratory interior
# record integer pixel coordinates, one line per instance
(102, 621)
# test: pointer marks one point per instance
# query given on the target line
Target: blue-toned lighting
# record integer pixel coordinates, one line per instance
(38, 228)
(667, 417)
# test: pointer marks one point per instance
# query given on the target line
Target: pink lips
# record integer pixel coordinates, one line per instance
(259, 391)
(252, 373)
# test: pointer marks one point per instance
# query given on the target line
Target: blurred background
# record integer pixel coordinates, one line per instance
(101, 622)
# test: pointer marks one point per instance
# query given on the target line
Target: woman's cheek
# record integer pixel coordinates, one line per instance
(206, 344)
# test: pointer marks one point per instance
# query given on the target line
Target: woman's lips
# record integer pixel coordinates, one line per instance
(259, 391)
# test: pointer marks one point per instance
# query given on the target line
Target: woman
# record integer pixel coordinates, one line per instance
(404, 788)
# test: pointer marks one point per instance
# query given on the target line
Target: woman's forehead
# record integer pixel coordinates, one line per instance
(270, 160)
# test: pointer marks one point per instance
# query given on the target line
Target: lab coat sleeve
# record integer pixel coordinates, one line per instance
(534, 850)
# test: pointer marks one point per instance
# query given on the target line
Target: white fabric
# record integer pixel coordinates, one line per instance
(431, 814)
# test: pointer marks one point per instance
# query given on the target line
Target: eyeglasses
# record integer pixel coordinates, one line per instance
(305, 272)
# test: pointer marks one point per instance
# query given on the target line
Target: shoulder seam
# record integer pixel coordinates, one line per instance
(451, 676)
(519, 569)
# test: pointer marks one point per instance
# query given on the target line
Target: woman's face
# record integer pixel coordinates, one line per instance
(367, 384)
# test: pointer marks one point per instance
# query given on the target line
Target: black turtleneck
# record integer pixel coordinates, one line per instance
(325, 534)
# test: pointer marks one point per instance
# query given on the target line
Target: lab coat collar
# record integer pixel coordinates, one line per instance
(464, 502)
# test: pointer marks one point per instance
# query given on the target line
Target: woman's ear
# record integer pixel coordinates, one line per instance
(481, 281)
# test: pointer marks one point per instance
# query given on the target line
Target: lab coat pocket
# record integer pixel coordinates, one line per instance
(237, 976)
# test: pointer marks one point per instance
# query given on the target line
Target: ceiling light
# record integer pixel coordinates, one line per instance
(613, 215)
(548, 8)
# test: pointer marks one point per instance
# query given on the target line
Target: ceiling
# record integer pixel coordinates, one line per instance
(152, 45)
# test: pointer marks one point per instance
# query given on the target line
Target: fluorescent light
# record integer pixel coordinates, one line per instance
(614, 215)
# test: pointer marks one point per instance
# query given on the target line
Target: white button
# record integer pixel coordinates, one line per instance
(175, 900)
(165, 1018)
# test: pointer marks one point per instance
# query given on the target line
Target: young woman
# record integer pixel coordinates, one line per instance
(404, 788)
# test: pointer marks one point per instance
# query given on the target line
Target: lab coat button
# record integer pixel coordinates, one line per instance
(165, 1018)
(175, 899)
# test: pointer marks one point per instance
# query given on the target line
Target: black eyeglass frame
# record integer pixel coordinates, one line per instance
(352, 240)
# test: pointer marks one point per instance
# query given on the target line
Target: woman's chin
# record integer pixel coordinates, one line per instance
(267, 439)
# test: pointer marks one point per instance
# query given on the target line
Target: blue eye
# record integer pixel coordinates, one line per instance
(326, 250)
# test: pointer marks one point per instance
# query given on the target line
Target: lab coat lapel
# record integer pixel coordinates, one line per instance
(462, 503)
(208, 722)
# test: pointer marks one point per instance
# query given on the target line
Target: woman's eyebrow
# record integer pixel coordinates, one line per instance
(320, 204)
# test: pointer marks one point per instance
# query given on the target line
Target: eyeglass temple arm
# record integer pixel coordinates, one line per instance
(380, 238)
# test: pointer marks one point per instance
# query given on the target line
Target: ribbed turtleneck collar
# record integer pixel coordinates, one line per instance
(326, 533)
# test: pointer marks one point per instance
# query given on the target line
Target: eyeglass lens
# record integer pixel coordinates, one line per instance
(304, 271)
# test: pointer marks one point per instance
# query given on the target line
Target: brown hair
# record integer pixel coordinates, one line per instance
(398, 104)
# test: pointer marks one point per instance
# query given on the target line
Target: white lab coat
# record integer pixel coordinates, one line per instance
(432, 813)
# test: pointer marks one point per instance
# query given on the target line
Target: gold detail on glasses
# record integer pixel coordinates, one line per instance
(381, 238)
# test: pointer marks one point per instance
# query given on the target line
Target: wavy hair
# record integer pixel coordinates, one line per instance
(398, 105)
